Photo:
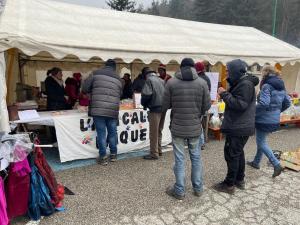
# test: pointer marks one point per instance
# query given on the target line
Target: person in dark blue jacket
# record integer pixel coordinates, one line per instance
(271, 101)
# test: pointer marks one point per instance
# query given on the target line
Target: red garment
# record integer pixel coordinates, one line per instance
(17, 189)
(166, 77)
(72, 90)
(47, 173)
(84, 99)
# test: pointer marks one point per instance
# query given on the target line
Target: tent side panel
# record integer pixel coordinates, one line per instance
(4, 121)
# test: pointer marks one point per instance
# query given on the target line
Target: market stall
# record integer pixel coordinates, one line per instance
(33, 37)
(76, 136)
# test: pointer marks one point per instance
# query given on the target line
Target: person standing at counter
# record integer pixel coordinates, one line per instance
(162, 70)
(55, 91)
(238, 123)
(127, 87)
(105, 88)
(200, 68)
(152, 96)
(72, 89)
(138, 83)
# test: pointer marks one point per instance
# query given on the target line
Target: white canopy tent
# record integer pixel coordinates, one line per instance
(67, 30)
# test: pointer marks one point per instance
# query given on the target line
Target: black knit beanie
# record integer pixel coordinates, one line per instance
(187, 62)
(111, 63)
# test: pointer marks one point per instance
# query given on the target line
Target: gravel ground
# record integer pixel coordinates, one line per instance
(132, 191)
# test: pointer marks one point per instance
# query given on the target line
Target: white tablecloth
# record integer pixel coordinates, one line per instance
(76, 136)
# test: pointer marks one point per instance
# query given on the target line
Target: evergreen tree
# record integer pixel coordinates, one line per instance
(254, 13)
(122, 5)
(154, 9)
(176, 9)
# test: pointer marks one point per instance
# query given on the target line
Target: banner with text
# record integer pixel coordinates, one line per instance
(76, 135)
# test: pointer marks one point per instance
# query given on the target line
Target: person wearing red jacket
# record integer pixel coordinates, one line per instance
(72, 89)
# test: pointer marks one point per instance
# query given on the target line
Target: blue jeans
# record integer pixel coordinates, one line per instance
(179, 166)
(263, 148)
(102, 124)
(202, 140)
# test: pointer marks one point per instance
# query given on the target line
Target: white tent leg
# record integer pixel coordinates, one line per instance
(4, 121)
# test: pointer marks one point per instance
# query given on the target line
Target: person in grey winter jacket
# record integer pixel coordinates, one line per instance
(152, 96)
(271, 101)
(188, 97)
(238, 123)
(105, 88)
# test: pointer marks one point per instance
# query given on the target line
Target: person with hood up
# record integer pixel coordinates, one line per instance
(271, 101)
(152, 96)
(105, 88)
(188, 97)
(238, 123)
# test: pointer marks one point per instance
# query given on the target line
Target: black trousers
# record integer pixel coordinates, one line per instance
(235, 158)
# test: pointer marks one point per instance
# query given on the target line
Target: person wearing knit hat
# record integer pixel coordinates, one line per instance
(72, 89)
(187, 62)
(105, 88)
(163, 72)
(152, 95)
(200, 68)
(188, 97)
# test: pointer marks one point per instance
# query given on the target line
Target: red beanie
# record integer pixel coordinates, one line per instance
(77, 76)
(162, 66)
(199, 67)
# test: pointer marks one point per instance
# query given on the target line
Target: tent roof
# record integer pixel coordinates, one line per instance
(66, 29)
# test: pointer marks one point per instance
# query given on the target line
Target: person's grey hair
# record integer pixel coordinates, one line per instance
(268, 69)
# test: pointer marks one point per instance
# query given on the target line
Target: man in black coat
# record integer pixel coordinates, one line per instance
(238, 123)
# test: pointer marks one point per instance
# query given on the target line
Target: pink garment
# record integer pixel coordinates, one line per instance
(21, 168)
(3, 212)
(17, 189)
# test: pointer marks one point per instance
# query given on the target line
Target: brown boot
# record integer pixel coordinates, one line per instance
(223, 187)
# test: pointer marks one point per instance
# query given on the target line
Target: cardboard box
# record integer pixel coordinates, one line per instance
(291, 160)
(290, 165)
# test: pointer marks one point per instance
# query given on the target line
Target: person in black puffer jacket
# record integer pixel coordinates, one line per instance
(238, 123)
(105, 88)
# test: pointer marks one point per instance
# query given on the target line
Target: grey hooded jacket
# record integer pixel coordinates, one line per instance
(153, 93)
(188, 97)
(105, 88)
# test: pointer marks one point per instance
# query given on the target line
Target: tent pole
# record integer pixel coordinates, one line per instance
(10, 63)
(223, 76)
